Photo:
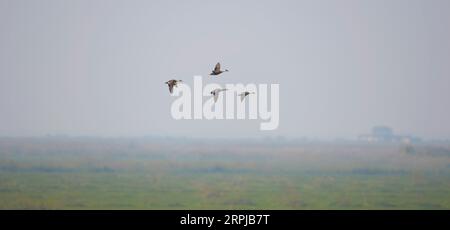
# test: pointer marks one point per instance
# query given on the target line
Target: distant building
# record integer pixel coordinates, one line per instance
(385, 134)
(382, 133)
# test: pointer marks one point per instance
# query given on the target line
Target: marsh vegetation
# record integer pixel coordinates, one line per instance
(90, 173)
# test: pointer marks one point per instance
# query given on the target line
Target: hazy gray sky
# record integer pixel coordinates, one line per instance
(98, 67)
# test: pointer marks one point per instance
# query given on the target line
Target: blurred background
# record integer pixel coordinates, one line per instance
(85, 117)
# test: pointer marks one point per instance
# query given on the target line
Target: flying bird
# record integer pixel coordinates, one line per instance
(172, 83)
(216, 70)
(244, 94)
(216, 92)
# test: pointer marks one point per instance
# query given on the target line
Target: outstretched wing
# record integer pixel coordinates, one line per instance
(170, 87)
(242, 96)
(216, 96)
(217, 68)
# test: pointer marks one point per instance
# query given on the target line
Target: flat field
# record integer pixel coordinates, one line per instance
(93, 173)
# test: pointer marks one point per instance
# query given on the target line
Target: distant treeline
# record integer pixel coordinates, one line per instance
(45, 169)
(427, 151)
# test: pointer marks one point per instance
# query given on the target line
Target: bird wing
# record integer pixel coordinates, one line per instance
(242, 96)
(170, 87)
(216, 96)
(217, 68)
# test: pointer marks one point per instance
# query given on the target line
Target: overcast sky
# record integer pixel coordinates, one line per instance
(98, 68)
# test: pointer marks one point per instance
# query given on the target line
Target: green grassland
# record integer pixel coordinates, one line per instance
(155, 174)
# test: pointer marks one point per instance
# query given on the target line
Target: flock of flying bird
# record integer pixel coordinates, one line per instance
(215, 72)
